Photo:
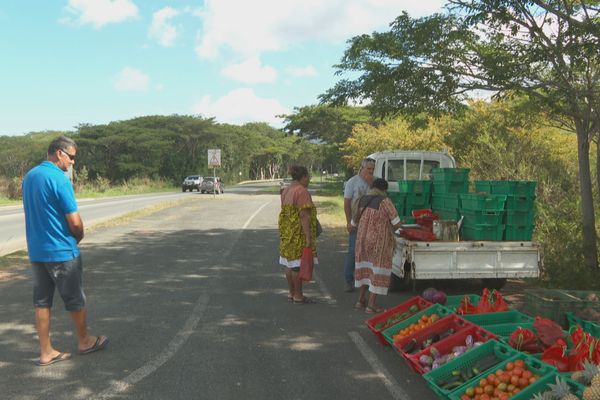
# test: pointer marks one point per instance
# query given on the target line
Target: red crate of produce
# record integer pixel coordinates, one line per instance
(381, 322)
(446, 346)
(424, 338)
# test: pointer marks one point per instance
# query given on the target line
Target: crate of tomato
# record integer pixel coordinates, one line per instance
(399, 313)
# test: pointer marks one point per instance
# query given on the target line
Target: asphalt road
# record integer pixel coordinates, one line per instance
(94, 211)
(195, 305)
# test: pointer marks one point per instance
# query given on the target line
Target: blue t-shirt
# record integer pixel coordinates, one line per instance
(47, 197)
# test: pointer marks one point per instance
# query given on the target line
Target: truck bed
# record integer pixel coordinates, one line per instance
(467, 259)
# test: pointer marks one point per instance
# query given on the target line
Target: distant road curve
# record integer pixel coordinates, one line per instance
(94, 211)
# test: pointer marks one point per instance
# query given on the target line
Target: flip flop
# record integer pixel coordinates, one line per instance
(305, 300)
(359, 305)
(290, 299)
(99, 345)
(374, 310)
(60, 357)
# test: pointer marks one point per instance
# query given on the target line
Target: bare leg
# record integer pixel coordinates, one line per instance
(372, 299)
(362, 294)
(42, 324)
(290, 282)
(84, 341)
(298, 295)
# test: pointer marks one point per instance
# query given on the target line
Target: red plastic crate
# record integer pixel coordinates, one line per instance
(444, 346)
(451, 321)
(399, 309)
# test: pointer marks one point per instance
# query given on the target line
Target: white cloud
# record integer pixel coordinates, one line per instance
(309, 70)
(161, 28)
(240, 106)
(101, 12)
(250, 71)
(131, 80)
(251, 27)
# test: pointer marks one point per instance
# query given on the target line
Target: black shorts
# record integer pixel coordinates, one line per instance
(66, 276)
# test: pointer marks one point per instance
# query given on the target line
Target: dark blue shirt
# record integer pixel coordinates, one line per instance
(47, 197)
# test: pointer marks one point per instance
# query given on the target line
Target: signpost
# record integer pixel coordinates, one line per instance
(214, 161)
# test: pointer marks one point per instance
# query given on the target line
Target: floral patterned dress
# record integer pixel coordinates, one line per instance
(375, 243)
(291, 237)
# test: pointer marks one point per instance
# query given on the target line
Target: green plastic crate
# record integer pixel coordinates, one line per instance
(447, 215)
(414, 186)
(452, 302)
(590, 327)
(467, 361)
(505, 330)
(473, 217)
(450, 187)
(422, 200)
(534, 365)
(515, 188)
(437, 201)
(518, 232)
(482, 232)
(482, 202)
(450, 174)
(520, 203)
(494, 318)
(518, 217)
(434, 309)
(552, 304)
(542, 385)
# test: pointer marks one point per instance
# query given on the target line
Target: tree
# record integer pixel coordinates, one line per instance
(546, 50)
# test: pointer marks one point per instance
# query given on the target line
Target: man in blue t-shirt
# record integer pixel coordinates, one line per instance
(355, 188)
(54, 228)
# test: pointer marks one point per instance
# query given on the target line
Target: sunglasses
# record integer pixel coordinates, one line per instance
(71, 156)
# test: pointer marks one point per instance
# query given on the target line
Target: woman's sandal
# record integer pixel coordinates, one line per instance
(305, 300)
(359, 305)
(374, 310)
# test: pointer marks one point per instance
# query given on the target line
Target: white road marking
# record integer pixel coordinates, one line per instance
(323, 288)
(389, 382)
(174, 345)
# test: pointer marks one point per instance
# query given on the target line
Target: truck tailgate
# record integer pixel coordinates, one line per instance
(468, 259)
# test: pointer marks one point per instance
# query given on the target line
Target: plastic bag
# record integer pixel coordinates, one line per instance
(548, 331)
(556, 355)
(498, 304)
(491, 301)
(466, 307)
(525, 340)
(306, 265)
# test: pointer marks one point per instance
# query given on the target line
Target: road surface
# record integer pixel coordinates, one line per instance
(196, 307)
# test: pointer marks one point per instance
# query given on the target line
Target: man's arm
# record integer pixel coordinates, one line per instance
(75, 225)
(348, 212)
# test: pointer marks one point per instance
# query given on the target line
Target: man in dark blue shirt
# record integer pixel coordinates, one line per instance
(54, 228)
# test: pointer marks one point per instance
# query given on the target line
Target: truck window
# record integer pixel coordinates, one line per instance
(413, 167)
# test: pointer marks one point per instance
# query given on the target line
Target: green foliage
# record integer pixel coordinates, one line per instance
(14, 190)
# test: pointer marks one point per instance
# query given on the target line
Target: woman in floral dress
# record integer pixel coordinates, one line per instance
(377, 219)
(297, 230)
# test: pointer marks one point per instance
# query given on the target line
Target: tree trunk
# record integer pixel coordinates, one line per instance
(598, 166)
(590, 253)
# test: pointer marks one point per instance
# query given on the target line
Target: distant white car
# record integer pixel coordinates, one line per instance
(191, 182)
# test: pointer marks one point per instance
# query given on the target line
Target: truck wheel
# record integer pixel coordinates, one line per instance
(494, 283)
(183, 190)
(403, 284)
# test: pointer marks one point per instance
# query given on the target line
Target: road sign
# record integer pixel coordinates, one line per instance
(214, 158)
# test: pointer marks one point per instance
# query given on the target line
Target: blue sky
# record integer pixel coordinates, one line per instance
(68, 62)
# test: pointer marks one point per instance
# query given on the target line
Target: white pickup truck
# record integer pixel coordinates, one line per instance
(491, 261)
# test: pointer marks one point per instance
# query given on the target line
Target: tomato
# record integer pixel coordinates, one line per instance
(523, 382)
(478, 390)
(527, 374)
(470, 392)
(491, 378)
(465, 397)
(510, 388)
(499, 372)
(509, 366)
(514, 380)
(488, 389)
(532, 380)
(505, 378)
(518, 371)
(482, 382)
(519, 363)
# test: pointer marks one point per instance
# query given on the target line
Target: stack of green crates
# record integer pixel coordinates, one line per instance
(399, 200)
(448, 184)
(417, 195)
(483, 214)
(520, 199)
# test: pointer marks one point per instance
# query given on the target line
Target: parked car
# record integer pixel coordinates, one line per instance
(210, 184)
(191, 182)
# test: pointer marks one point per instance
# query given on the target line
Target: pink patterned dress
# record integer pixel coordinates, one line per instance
(375, 243)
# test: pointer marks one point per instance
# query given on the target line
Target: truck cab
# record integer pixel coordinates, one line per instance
(395, 165)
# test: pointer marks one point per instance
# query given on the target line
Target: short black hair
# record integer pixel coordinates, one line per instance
(298, 172)
(61, 143)
(380, 184)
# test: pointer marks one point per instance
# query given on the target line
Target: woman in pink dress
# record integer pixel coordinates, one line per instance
(377, 219)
